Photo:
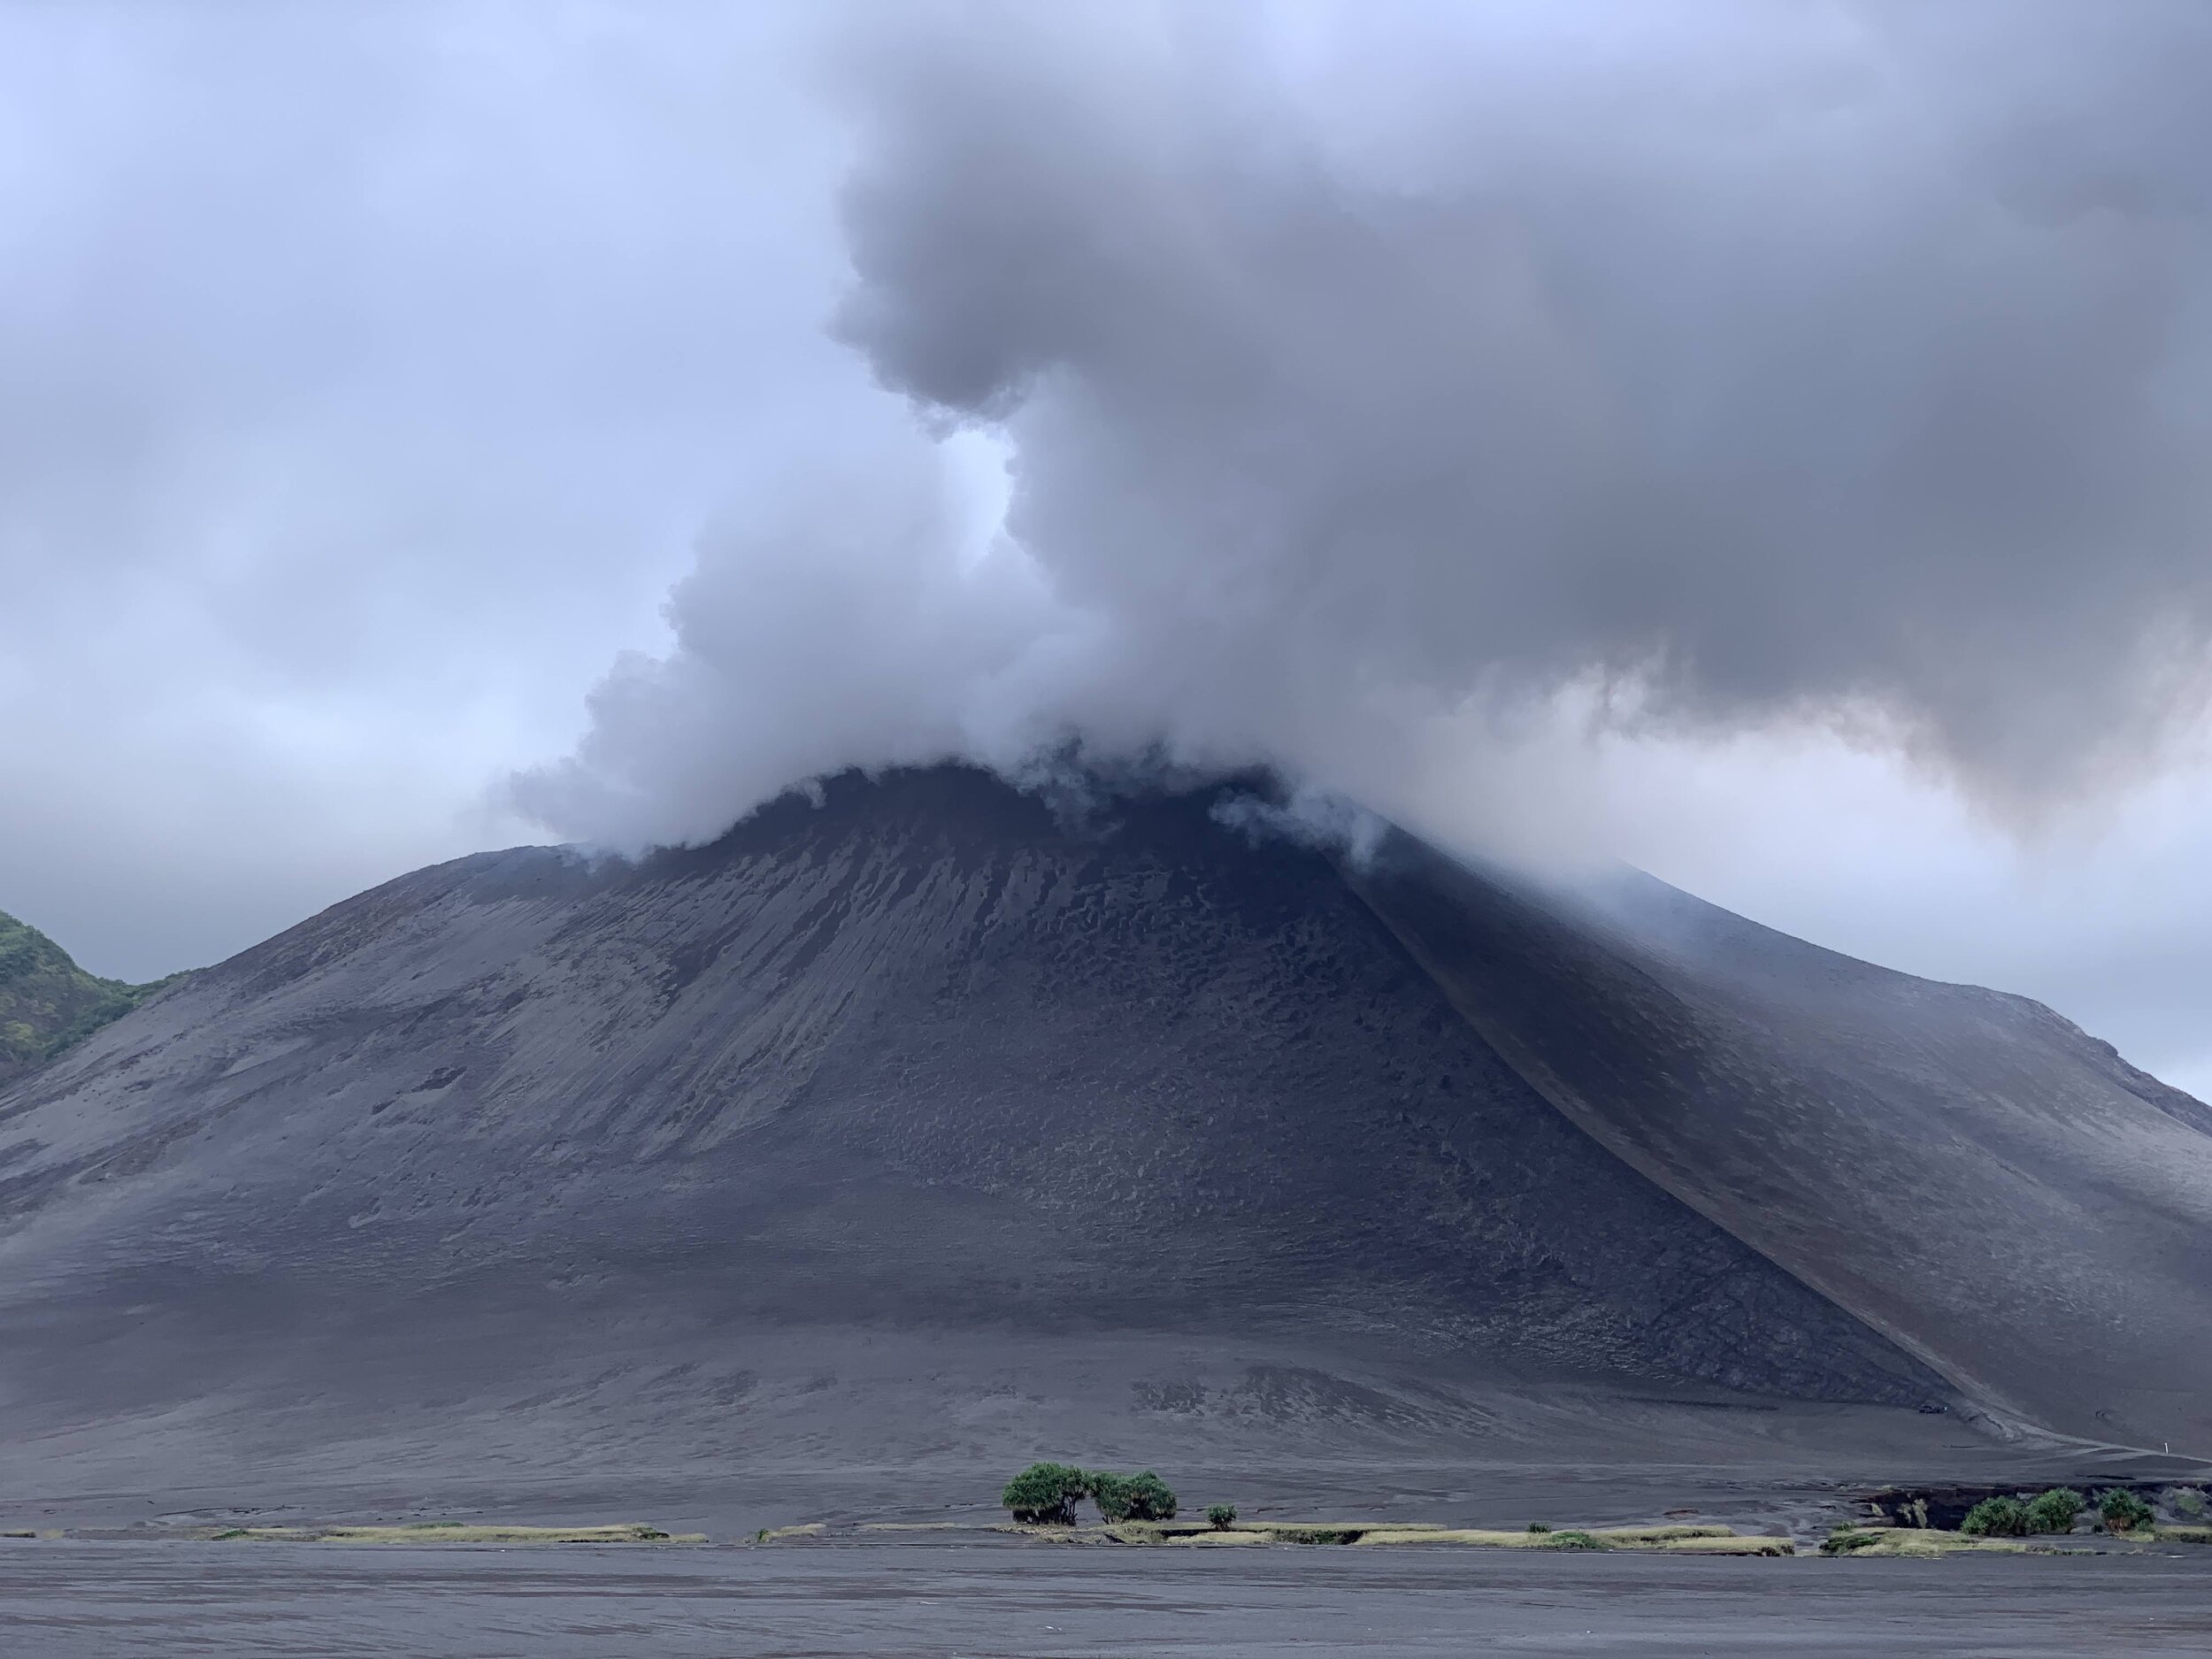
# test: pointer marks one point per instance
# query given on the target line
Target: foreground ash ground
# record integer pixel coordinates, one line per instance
(71, 1601)
(842, 1167)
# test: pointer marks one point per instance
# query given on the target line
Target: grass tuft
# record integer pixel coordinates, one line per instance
(1916, 1543)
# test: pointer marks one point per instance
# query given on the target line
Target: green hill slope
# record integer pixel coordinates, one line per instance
(47, 1002)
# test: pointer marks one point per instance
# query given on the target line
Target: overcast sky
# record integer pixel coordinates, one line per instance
(1766, 441)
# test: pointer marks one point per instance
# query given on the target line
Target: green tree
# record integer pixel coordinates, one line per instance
(1997, 1517)
(1222, 1515)
(1141, 1497)
(2053, 1512)
(1045, 1495)
(1109, 1492)
(1150, 1498)
(2122, 1511)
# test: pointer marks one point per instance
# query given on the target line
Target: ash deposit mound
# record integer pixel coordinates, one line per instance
(923, 1126)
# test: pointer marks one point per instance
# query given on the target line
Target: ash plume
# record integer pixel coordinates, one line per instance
(1373, 382)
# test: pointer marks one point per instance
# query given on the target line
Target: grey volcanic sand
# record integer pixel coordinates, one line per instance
(97, 1602)
(846, 1165)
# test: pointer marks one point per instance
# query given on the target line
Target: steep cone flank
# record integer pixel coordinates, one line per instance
(1965, 1170)
(923, 1071)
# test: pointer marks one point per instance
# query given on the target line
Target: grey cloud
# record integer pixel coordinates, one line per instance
(845, 620)
(1364, 374)
(1735, 364)
(368, 372)
(1872, 378)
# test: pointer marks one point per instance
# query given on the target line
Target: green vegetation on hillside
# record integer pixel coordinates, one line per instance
(47, 1002)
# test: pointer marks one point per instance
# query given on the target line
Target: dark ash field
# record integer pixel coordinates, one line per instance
(105, 1601)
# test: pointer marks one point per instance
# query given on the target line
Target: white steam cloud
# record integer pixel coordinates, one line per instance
(1371, 380)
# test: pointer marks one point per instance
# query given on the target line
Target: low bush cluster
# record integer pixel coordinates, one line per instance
(1844, 1539)
(2122, 1511)
(1139, 1497)
(2053, 1510)
(1222, 1515)
(1996, 1517)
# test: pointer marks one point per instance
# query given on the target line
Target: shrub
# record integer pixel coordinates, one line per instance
(1845, 1538)
(2053, 1512)
(1046, 1493)
(2122, 1511)
(1575, 1540)
(1224, 1516)
(1996, 1517)
(1539, 1526)
(1142, 1497)
(2188, 1501)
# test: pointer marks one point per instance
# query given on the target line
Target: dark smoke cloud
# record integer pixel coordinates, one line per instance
(1373, 378)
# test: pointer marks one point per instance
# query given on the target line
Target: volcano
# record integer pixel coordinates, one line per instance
(923, 1124)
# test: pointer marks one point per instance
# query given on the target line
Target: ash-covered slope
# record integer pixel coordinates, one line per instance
(919, 1120)
(1966, 1171)
(920, 1063)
